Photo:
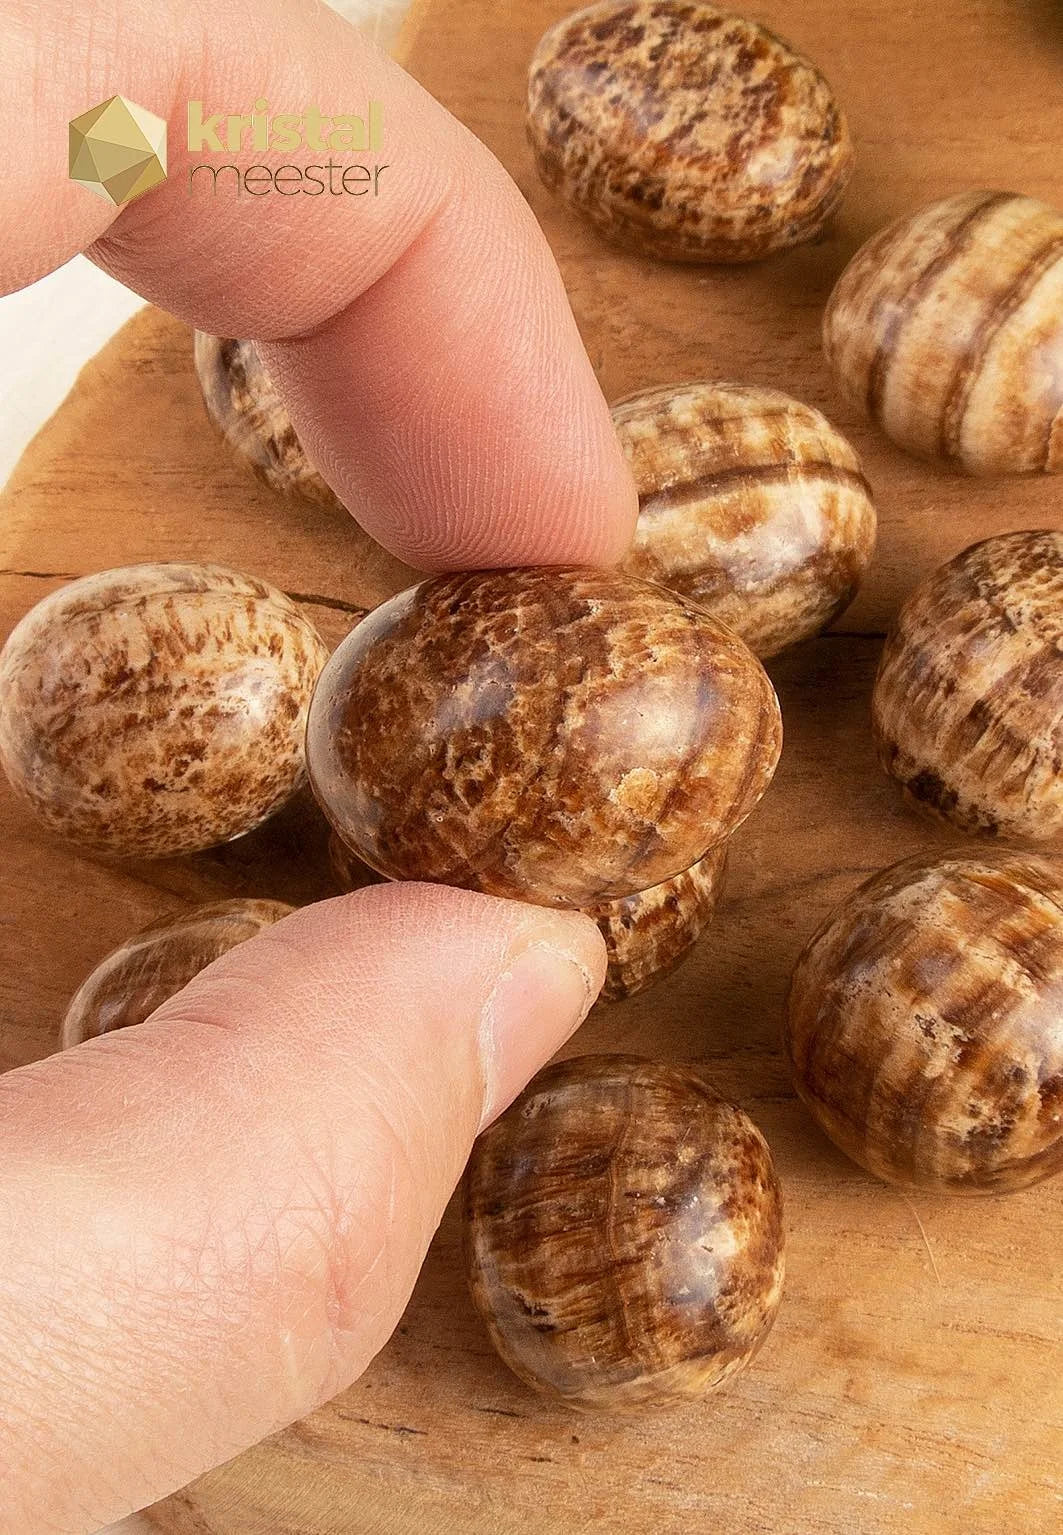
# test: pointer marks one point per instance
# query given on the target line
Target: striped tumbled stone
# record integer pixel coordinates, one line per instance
(623, 1235)
(924, 1029)
(968, 702)
(245, 406)
(750, 504)
(947, 328)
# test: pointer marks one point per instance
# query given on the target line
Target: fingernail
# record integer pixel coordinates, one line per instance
(538, 1002)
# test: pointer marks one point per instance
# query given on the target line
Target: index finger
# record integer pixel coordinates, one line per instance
(421, 335)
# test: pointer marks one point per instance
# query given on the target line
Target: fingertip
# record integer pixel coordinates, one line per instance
(571, 933)
(491, 444)
(611, 531)
(584, 514)
(549, 984)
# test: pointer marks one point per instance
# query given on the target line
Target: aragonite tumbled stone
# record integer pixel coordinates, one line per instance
(245, 406)
(947, 329)
(623, 1234)
(157, 709)
(559, 736)
(968, 701)
(750, 503)
(685, 132)
(156, 963)
(647, 935)
(924, 1026)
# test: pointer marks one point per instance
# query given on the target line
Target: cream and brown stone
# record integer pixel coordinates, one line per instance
(924, 1025)
(560, 736)
(648, 934)
(623, 1234)
(947, 328)
(968, 702)
(157, 709)
(750, 503)
(246, 408)
(685, 132)
(155, 964)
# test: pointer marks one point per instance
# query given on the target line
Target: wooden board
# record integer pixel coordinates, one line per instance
(913, 1381)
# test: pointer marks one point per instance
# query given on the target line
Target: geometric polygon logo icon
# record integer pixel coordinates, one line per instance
(118, 150)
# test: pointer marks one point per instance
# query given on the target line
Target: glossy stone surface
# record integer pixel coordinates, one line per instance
(968, 701)
(685, 132)
(251, 417)
(559, 736)
(157, 709)
(750, 503)
(924, 1025)
(648, 934)
(623, 1234)
(947, 328)
(156, 963)
(348, 870)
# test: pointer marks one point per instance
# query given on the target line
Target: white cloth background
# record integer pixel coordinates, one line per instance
(49, 330)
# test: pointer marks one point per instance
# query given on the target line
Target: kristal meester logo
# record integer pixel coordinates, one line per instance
(118, 150)
(307, 133)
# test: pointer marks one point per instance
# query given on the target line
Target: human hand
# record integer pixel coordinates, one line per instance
(211, 1223)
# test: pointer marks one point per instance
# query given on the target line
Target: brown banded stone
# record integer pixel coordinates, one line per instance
(623, 1234)
(750, 503)
(156, 963)
(968, 702)
(924, 1026)
(685, 132)
(559, 736)
(245, 406)
(157, 709)
(648, 934)
(947, 328)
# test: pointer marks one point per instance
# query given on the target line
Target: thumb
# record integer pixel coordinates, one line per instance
(211, 1222)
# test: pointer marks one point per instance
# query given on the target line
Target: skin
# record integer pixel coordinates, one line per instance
(184, 1269)
(486, 441)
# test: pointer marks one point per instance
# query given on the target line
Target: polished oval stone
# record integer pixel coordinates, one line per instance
(623, 1234)
(253, 421)
(559, 736)
(924, 1026)
(157, 709)
(685, 132)
(158, 962)
(947, 329)
(968, 701)
(750, 503)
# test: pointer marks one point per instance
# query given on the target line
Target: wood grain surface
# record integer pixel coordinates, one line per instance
(914, 1379)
